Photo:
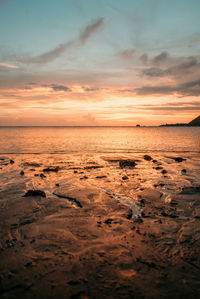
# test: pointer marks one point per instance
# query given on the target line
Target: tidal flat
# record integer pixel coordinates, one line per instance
(100, 225)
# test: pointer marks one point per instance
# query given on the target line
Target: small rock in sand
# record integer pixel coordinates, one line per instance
(85, 177)
(34, 193)
(158, 168)
(164, 171)
(12, 162)
(101, 177)
(130, 214)
(108, 221)
(42, 175)
(22, 172)
(127, 163)
(183, 171)
(190, 190)
(51, 168)
(125, 177)
(147, 158)
(178, 159)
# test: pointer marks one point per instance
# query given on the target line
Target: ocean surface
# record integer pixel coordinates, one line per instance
(61, 140)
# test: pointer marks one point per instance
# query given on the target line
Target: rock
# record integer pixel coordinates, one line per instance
(172, 215)
(42, 175)
(161, 185)
(127, 163)
(30, 264)
(138, 219)
(75, 171)
(51, 168)
(158, 168)
(32, 164)
(125, 177)
(183, 171)
(22, 172)
(147, 158)
(108, 221)
(85, 177)
(154, 161)
(130, 214)
(69, 198)
(93, 167)
(12, 162)
(101, 177)
(178, 159)
(190, 190)
(164, 171)
(197, 213)
(35, 193)
(57, 185)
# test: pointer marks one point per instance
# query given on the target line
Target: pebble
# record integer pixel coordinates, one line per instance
(147, 158)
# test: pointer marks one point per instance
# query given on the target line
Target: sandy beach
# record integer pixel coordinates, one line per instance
(102, 226)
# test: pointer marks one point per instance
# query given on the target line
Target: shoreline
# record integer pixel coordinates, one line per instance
(85, 240)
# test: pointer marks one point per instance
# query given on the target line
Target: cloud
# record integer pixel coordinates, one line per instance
(127, 54)
(177, 70)
(155, 72)
(58, 51)
(56, 87)
(191, 88)
(2, 2)
(144, 58)
(89, 89)
(90, 29)
(48, 56)
(172, 107)
(162, 57)
(7, 65)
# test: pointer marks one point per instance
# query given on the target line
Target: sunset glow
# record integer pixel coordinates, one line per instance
(99, 63)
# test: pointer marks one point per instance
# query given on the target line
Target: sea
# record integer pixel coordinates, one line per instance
(66, 140)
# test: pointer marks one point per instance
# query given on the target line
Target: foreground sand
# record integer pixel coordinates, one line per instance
(101, 231)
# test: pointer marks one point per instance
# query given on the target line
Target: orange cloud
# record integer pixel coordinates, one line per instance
(9, 65)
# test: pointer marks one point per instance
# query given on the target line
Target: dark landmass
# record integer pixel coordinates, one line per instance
(194, 123)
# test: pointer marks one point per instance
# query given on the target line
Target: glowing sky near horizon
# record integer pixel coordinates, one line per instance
(108, 62)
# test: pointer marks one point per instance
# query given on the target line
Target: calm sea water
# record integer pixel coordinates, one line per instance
(39, 140)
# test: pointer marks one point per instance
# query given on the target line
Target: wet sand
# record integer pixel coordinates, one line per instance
(104, 230)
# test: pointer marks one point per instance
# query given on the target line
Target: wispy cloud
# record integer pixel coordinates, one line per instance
(90, 29)
(127, 54)
(48, 56)
(2, 2)
(191, 88)
(57, 87)
(58, 51)
(7, 65)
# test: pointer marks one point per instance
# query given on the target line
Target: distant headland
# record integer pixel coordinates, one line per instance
(194, 123)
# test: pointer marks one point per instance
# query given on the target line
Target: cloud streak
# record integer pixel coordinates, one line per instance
(191, 88)
(7, 65)
(90, 29)
(58, 51)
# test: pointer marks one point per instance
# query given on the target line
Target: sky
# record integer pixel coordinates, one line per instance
(99, 62)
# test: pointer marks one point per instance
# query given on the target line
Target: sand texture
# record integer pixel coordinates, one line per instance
(105, 226)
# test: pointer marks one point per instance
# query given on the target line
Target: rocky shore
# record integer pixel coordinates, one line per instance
(100, 226)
